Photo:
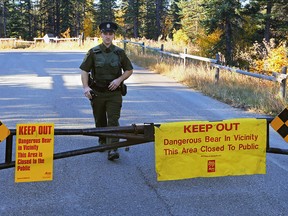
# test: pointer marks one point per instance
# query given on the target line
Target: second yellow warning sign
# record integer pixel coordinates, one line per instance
(34, 152)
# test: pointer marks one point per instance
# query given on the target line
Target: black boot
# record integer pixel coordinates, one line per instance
(113, 154)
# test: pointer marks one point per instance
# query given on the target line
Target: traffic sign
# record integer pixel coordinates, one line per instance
(4, 132)
(280, 124)
(210, 148)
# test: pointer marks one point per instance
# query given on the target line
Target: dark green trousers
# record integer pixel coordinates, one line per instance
(106, 108)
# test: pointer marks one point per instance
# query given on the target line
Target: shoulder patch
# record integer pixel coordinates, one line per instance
(96, 50)
(86, 56)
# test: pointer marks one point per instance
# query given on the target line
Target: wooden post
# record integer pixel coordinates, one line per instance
(184, 60)
(217, 69)
(82, 39)
(79, 40)
(162, 49)
(143, 48)
(283, 83)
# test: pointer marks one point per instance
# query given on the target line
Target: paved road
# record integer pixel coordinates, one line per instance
(45, 87)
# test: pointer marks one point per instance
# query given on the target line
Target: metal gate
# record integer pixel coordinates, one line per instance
(131, 135)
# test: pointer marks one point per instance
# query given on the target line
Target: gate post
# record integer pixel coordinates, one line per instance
(9, 145)
(283, 83)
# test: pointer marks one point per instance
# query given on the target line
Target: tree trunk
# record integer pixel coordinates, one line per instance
(3, 20)
(30, 33)
(159, 11)
(136, 20)
(268, 20)
(228, 41)
(57, 18)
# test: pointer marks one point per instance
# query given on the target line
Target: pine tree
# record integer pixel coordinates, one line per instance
(3, 18)
(149, 23)
(66, 17)
(175, 15)
(224, 15)
(279, 25)
(270, 18)
(105, 10)
(132, 17)
(14, 19)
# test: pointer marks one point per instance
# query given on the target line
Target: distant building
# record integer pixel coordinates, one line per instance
(48, 38)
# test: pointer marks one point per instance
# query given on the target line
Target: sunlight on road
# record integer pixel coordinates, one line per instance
(27, 80)
(72, 81)
(34, 81)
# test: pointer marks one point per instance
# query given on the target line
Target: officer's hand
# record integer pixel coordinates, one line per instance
(87, 92)
(114, 84)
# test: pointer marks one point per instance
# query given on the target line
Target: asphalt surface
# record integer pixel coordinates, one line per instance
(46, 87)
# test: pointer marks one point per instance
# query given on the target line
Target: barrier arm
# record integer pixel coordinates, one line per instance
(132, 135)
(128, 135)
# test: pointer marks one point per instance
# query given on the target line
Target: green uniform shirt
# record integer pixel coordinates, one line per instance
(106, 63)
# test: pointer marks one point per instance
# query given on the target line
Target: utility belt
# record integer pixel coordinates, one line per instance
(104, 89)
(102, 86)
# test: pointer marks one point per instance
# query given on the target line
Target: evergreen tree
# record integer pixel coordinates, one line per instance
(175, 15)
(3, 18)
(14, 19)
(279, 25)
(224, 15)
(149, 24)
(47, 16)
(241, 24)
(37, 16)
(191, 14)
(132, 17)
(105, 10)
(160, 14)
(270, 16)
(66, 17)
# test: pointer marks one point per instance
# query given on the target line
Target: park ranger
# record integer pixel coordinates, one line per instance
(108, 66)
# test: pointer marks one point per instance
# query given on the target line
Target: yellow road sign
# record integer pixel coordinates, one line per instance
(34, 152)
(280, 124)
(4, 131)
(209, 149)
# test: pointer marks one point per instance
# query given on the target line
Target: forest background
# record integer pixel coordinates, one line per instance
(251, 34)
(232, 27)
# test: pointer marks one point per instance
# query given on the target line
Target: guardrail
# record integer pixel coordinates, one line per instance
(280, 78)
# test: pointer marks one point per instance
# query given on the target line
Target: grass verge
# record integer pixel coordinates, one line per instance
(248, 93)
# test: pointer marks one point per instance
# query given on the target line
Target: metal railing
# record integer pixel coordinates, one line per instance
(280, 78)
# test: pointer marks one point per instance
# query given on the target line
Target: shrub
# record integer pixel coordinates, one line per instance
(180, 37)
(207, 43)
(275, 59)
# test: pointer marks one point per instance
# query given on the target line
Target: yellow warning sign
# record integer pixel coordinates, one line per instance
(208, 149)
(4, 132)
(280, 124)
(34, 152)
